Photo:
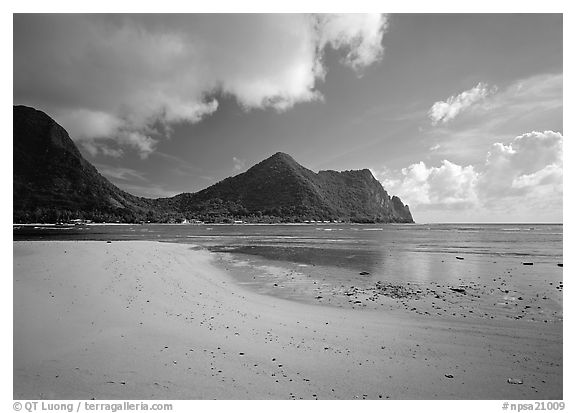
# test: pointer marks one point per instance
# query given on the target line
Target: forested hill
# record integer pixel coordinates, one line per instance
(53, 182)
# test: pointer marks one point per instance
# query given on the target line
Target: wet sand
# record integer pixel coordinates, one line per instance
(482, 288)
(150, 320)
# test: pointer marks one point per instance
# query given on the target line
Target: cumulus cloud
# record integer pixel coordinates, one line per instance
(527, 172)
(359, 34)
(444, 111)
(446, 186)
(124, 79)
(532, 161)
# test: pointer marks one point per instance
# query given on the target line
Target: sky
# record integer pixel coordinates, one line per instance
(459, 115)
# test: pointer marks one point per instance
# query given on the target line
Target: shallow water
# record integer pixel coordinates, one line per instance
(309, 261)
(405, 251)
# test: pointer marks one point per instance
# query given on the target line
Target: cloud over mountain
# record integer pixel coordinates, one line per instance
(528, 171)
(120, 81)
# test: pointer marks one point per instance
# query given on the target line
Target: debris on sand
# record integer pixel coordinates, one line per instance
(458, 290)
(527, 263)
(459, 258)
(396, 291)
(364, 273)
(449, 376)
(515, 381)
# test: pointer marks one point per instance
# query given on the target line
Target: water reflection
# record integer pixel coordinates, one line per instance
(386, 265)
(388, 252)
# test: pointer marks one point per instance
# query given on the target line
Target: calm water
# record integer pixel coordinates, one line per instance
(387, 252)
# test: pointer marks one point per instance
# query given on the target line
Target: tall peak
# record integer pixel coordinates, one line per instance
(282, 156)
(279, 159)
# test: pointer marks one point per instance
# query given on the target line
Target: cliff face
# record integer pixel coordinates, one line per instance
(52, 181)
(359, 195)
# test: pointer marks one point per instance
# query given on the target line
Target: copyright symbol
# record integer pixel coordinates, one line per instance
(17, 406)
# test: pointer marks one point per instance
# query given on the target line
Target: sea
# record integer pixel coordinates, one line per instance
(406, 252)
(296, 260)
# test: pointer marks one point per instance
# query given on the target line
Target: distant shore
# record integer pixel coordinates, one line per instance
(154, 320)
(214, 223)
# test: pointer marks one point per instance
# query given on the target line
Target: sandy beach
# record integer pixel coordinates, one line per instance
(152, 320)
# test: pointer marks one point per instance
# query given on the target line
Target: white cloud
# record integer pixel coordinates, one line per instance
(360, 34)
(90, 123)
(123, 77)
(532, 160)
(533, 103)
(549, 175)
(95, 148)
(526, 175)
(444, 111)
(523, 102)
(111, 152)
(448, 185)
(239, 164)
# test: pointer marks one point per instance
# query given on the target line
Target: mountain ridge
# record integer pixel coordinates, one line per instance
(53, 182)
(51, 178)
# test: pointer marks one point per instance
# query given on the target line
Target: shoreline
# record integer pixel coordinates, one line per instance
(157, 320)
(40, 224)
(495, 294)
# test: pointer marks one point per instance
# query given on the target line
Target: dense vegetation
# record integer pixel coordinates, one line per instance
(54, 183)
(279, 188)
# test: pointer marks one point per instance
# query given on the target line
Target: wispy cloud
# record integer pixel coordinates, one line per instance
(134, 182)
(239, 164)
(124, 79)
(533, 103)
(523, 100)
(444, 111)
(148, 191)
(120, 173)
(520, 100)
